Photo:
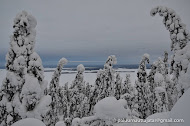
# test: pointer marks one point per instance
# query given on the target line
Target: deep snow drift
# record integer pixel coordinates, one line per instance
(110, 108)
(29, 122)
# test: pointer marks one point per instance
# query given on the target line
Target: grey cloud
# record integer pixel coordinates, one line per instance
(94, 28)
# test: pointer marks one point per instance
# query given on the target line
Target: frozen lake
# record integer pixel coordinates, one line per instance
(68, 75)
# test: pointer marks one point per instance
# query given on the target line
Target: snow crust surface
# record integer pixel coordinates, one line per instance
(109, 108)
(181, 110)
(60, 123)
(29, 122)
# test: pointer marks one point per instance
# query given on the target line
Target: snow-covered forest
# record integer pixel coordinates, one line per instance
(27, 98)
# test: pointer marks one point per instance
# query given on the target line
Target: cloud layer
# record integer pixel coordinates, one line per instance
(92, 30)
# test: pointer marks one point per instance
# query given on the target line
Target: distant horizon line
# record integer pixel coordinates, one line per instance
(129, 66)
(85, 61)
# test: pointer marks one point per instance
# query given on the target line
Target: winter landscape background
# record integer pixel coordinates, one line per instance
(94, 63)
(89, 75)
(98, 28)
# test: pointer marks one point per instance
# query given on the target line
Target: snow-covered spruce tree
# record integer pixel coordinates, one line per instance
(84, 108)
(127, 86)
(88, 90)
(160, 97)
(79, 82)
(91, 99)
(9, 94)
(161, 100)
(88, 93)
(128, 91)
(18, 98)
(158, 79)
(94, 94)
(169, 85)
(152, 86)
(143, 92)
(56, 95)
(77, 92)
(165, 60)
(160, 67)
(141, 73)
(151, 75)
(66, 111)
(117, 86)
(104, 84)
(107, 79)
(180, 46)
(98, 88)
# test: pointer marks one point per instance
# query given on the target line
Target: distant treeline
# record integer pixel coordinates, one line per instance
(91, 67)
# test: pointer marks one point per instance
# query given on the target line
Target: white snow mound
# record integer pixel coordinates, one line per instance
(181, 110)
(60, 123)
(109, 108)
(29, 122)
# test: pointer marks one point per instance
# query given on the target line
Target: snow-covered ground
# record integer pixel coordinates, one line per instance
(29, 122)
(68, 75)
(179, 114)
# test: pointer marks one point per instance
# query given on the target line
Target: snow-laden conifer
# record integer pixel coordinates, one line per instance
(180, 37)
(22, 90)
(128, 91)
(118, 86)
(77, 93)
(55, 91)
(158, 79)
(104, 83)
(141, 73)
(142, 97)
(107, 78)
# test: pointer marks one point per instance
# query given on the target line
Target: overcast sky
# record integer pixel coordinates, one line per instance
(91, 30)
